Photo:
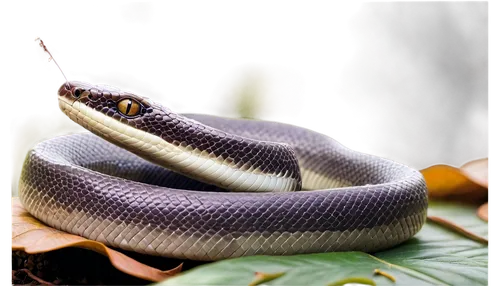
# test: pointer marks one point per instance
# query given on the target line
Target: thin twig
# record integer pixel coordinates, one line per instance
(51, 57)
(34, 277)
(450, 225)
(385, 274)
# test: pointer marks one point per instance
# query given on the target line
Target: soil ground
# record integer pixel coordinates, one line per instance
(75, 266)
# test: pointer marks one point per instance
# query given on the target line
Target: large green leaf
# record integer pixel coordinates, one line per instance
(434, 256)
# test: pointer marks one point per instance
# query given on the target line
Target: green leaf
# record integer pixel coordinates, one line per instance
(435, 256)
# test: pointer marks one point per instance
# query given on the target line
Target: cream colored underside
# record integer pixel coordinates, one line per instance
(314, 181)
(196, 245)
(192, 162)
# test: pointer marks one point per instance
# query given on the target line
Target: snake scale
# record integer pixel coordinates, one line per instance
(156, 182)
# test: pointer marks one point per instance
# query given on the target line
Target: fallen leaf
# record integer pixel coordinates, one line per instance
(261, 277)
(482, 212)
(458, 229)
(32, 236)
(467, 183)
(477, 171)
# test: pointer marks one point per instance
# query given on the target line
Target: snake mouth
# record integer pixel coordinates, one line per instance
(71, 92)
(65, 98)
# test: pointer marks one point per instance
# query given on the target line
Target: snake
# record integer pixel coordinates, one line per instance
(202, 187)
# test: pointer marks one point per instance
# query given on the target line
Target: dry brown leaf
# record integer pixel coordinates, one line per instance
(467, 183)
(477, 171)
(482, 212)
(32, 236)
(458, 229)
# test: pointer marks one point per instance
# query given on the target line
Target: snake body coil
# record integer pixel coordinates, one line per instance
(87, 186)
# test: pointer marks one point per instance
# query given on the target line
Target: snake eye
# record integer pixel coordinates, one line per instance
(129, 107)
(77, 92)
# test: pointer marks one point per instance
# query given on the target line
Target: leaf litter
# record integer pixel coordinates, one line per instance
(469, 183)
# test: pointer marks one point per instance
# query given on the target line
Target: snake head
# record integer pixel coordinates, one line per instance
(181, 144)
(106, 100)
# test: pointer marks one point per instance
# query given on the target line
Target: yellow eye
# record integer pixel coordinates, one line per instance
(129, 107)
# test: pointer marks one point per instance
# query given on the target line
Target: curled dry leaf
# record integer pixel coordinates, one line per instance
(482, 212)
(477, 171)
(468, 183)
(32, 236)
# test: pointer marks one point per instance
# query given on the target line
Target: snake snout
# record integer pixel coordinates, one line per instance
(64, 94)
(71, 92)
(64, 89)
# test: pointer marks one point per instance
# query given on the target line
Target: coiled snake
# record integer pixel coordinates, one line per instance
(292, 190)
